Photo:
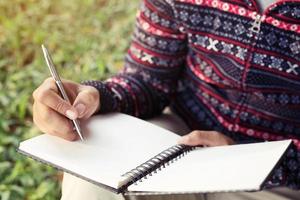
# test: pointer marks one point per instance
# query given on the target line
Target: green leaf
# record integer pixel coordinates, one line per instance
(5, 195)
(4, 168)
(44, 188)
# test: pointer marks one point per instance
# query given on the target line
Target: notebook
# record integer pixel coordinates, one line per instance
(128, 155)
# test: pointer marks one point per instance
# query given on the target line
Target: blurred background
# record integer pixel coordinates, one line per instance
(87, 39)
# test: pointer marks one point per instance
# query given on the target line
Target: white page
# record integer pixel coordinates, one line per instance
(217, 169)
(116, 144)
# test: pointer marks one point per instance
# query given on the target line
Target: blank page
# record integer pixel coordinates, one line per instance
(217, 169)
(116, 143)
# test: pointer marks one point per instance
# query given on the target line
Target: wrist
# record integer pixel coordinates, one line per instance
(106, 101)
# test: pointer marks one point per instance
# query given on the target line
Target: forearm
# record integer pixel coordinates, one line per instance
(152, 66)
(108, 101)
(130, 94)
(287, 173)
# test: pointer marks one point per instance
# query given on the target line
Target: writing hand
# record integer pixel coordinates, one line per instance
(50, 110)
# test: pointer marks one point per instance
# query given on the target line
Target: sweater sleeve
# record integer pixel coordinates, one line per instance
(153, 64)
(287, 173)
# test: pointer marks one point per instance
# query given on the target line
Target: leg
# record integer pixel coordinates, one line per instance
(279, 193)
(170, 121)
(169, 197)
(74, 188)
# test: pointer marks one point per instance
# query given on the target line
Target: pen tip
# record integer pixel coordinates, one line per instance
(80, 135)
(81, 138)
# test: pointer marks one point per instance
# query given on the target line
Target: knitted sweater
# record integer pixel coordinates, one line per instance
(221, 66)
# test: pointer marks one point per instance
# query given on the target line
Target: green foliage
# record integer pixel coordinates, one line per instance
(87, 39)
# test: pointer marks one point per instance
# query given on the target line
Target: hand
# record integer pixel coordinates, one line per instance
(50, 109)
(205, 138)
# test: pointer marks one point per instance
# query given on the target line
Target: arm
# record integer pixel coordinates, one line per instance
(152, 65)
(287, 174)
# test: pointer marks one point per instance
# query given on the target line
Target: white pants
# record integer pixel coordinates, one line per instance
(74, 188)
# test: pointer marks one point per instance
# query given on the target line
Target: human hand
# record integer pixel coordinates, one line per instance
(50, 110)
(205, 138)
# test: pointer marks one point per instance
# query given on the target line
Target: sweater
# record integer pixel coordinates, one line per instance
(220, 65)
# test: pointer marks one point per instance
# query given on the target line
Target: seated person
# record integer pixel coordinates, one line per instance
(231, 74)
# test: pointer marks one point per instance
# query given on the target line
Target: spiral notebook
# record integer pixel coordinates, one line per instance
(128, 155)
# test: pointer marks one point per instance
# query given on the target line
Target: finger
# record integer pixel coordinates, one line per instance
(86, 102)
(47, 94)
(191, 139)
(197, 138)
(215, 138)
(49, 121)
(206, 138)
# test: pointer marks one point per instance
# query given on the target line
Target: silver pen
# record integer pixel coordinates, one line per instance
(60, 86)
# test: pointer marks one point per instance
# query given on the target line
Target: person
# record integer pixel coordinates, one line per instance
(229, 69)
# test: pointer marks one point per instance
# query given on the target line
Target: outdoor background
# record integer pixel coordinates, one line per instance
(87, 39)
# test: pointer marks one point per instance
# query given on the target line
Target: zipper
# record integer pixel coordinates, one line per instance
(255, 28)
(253, 34)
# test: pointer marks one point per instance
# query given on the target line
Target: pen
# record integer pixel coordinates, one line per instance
(60, 86)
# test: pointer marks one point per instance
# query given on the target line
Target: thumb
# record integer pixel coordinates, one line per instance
(87, 101)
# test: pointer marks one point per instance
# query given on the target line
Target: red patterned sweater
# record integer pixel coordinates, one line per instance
(221, 65)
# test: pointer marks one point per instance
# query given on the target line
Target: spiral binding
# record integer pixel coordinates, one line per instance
(156, 163)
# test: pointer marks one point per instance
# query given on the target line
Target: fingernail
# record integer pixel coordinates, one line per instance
(71, 114)
(80, 108)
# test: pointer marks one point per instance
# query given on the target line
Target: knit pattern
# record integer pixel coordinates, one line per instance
(205, 60)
